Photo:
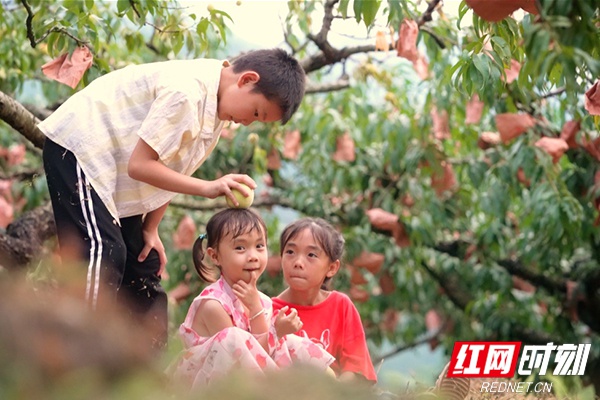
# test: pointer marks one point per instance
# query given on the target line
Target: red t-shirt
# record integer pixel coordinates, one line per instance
(335, 324)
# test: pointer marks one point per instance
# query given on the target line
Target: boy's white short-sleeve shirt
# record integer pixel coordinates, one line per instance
(171, 105)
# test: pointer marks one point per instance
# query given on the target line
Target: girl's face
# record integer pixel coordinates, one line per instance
(305, 264)
(241, 257)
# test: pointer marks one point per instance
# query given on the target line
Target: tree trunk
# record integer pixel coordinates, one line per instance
(24, 239)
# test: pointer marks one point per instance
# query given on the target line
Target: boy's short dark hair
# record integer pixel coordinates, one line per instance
(282, 78)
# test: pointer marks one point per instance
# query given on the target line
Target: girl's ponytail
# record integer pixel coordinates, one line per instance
(204, 270)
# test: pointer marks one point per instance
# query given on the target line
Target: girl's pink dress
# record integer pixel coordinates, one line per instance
(208, 358)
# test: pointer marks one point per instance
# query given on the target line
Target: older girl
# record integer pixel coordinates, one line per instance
(311, 250)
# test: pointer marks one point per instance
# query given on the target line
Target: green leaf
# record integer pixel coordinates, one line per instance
(501, 48)
(202, 26)
(123, 6)
(178, 43)
(462, 10)
(189, 41)
(369, 11)
(482, 63)
(223, 13)
(73, 6)
(556, 74)
(51, 42)
(396, 14)
(343, 8)
(357, 6)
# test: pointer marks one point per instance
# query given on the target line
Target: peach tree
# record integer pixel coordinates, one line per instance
(456, 148)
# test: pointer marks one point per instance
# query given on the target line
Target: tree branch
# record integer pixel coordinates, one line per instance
(515, 267)
(21, 120)
(426, 17)
(263, 202)
(39, 112)
(435, 37)
(330, 55)
(31, 36)
(160, 30)
(328, 87)
(319, 60)
(399, 349)
(327, 19)
(328, 51)
(553, 93)
(457, 294)
(25, 175)
(28, 23)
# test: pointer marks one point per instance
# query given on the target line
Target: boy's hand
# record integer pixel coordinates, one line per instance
(225, 184)
(286, 324)
(152, 241)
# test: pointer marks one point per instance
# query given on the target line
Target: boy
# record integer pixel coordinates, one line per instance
(119, 150)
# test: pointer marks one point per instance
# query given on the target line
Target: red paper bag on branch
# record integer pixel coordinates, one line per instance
(292, 145)
(474, 110)
(512, 125)
(592, 99)
(69, 70)
(568, 132)
(512, 72)
(444, 180)
(487, 140)
(381, 219)
(185, 235)
(421, 67)
(407, 40)
(497, 10)
(556, 147)
(441, 126)
(345, 149)
(372, 262)
(273, 159)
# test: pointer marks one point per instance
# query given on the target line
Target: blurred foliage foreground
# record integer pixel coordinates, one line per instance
(53, 347)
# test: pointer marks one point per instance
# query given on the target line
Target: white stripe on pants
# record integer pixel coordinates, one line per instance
(93, 274)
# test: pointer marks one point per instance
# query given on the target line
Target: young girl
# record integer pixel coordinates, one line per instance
(231, 324)
(311, 250)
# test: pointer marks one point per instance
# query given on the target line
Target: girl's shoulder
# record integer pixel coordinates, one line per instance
(340, 297)
(341, 300)
(218, 291)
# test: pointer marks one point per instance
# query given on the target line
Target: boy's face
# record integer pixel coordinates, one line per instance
(239, 104)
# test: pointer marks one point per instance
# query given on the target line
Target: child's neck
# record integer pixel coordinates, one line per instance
(305, 297)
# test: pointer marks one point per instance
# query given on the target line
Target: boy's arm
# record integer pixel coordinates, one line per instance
(144, 165)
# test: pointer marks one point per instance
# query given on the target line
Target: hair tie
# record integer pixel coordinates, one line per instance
(202, 236)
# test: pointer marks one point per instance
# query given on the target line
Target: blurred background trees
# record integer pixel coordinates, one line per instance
(454, 144)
